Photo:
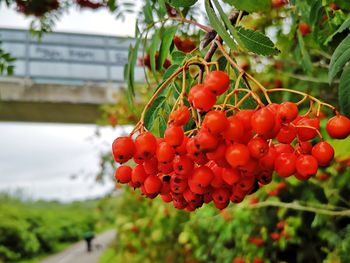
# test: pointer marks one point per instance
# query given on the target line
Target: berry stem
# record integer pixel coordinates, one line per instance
(184, 20)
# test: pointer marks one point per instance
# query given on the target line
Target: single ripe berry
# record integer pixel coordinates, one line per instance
(244, 116)
(234, 130)
(258, 147)
(231, 175)
(323, 152)
(203, 176)
(286, 134)
(151, 166)
(218, 153)
(263, 121)
(268, 161)
(237, 154)
(307, 128)
(123, 174)
(153, 184)
(287, 112)
(138, 175)
(278, 3)
(123, 149)
(215, 121)
(217, 82)
(174, 135)
(304, 147)
(201, 97)
(165, 153)
(306, 165)
(338, 127)
(183, 165)
(221, 195)
(283, 148)
(205, 141)
(180, 117)
(304, 28)
(146, 145)
(285, 164)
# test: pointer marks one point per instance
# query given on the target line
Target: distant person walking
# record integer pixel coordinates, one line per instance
(88, 236)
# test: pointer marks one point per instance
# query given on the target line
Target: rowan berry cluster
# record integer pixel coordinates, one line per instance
(230, 154)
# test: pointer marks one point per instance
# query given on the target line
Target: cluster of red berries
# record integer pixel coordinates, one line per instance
(37, 7)
(89, 4)
(230, 155)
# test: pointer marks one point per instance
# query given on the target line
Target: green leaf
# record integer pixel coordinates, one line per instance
(344, 26)
(339, 58)
(152, 52)
(162, 8)
(147, 11)
(152, 112)
(178, 57)
(170, 71)
(162, 126)
(182, 3)
(256, 42)
(167, 40)
(344, 91)
(218, 26)
(304, 55)
(250, 5)
(222, 63)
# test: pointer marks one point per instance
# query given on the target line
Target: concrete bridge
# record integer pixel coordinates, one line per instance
(63, 77)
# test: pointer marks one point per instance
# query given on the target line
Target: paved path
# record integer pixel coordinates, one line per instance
(78, 254)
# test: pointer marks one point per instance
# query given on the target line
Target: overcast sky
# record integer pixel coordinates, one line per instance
(40, 159)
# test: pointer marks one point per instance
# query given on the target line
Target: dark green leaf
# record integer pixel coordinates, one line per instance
(167, 40)
(152, 112)
(218, 26)
(170, 71)
(339, 58)
(178, 57)
(162, 126)
(182, 3)
(222, 63)
(250, 5)
(316, 10)
(256, 42)
(344, 26)
(162, 8)
(344, 91)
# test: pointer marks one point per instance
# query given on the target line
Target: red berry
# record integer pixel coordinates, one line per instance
(123, 174)
(174, 135)
(286, 134)
(234, 130)
(138, 175)
(304, 28)
(323, 152)
(201, 97)
(231, 175)
(275, 236)
(287, 112)
(146, 145)
(180, 117)
(306, 165)
(263, 121)
(338, 127)
(268, 161)
(151, 166)
(165, 153)
(285, 164)
(153, 184)
(206, 141)
(217, 82)
(202, 175)
(304, 147)
(215, 121)
(307, 128)
(258, 148)
(123, 149)
(183, 165)
(244, 116)
(237, 154)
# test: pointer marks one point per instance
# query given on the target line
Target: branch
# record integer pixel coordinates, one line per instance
(297, 206)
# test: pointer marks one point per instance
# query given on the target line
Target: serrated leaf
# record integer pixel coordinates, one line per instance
(170, 71)
(152, 112)
(250, 5)
(167, 40)
(218, 26)
(339, 58)
(344, 91)
(182, 3)
(256, 42)
(178, 57)
(344, 26)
